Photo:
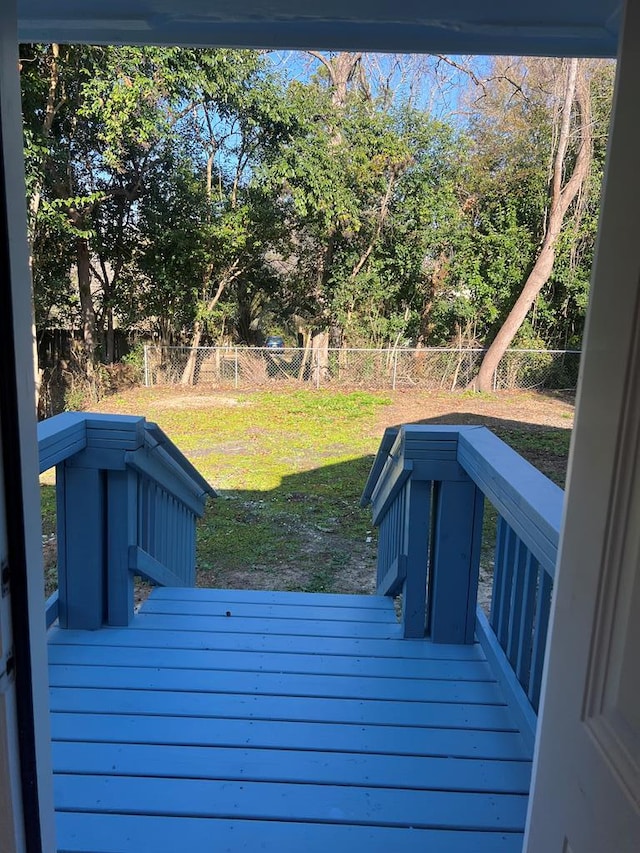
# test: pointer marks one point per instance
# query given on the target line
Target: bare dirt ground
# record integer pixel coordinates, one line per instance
(551, 409)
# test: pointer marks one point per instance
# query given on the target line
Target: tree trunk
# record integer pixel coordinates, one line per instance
(305, 354)
(110, 338)
(189, 373)
(233, 272)
(34, 207)
(320, 349)
(342, 68)
(561, 198)
(87, 309)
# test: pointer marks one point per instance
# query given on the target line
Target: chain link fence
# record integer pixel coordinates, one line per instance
(426, 368)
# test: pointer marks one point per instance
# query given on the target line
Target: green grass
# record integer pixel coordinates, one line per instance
(290, 469)
(258, 442)
(48, 507)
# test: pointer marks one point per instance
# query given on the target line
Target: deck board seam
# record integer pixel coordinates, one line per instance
(283, 672)
(324, 653)
(284, 749)
(489, 790)
(369, 824)
(295, 720)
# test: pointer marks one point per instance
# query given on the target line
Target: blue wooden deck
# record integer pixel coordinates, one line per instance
(240, 720)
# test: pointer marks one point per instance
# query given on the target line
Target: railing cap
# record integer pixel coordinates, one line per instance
(394, 443)
(388, 440)
(65, 435)
(156, 437)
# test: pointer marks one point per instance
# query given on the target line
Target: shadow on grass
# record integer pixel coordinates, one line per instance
(309, 533)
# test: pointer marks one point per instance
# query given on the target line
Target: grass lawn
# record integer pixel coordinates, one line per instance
(290, 468)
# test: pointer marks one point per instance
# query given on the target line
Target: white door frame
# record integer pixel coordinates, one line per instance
(11, 826)
(21, 494)
(601, 405)
(603, 477)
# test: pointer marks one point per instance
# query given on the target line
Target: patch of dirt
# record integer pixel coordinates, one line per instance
(485, 589)
(497, 410)
(328, 562)
(196, 401)
(229, 448)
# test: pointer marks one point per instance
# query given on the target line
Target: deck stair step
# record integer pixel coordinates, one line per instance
(234, 720)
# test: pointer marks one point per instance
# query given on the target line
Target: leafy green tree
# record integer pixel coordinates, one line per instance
(369, 191)
(202, 193)
(108, 113)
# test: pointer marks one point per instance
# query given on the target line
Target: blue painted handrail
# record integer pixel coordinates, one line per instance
(127, 502)
(427, 488)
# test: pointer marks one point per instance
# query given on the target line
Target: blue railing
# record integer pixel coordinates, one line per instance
(427, 488)
(126, 502)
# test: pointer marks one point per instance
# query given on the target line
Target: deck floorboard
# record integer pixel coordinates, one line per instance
(298, 722)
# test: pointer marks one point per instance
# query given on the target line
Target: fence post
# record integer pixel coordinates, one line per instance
(146, 366)
(395, 369)
(495, 379)
(317, 360)
(235, 365)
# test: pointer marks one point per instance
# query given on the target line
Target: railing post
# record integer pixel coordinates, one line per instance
(126, 500)
(414, 595)
(121, 534)
(455, 561)
(81, 570)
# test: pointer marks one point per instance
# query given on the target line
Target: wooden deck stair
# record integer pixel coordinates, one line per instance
(244, 721)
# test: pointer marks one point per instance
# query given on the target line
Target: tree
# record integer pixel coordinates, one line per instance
(569, 173)
(367, 188)
(96, 121)
(234, 135)
(202, 194)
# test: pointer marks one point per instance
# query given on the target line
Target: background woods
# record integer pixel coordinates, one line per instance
(199, 196)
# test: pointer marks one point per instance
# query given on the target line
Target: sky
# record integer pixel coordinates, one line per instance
(431, 83)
